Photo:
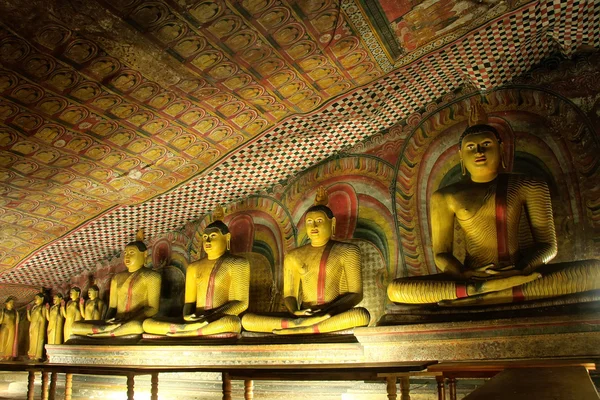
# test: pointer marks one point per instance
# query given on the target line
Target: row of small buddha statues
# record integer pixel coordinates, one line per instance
(322, 283)
(47, 323)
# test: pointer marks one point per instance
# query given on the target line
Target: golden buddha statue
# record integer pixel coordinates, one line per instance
(489, 207)
(134, 296)
(70, 312)
(322, 282)
(9, 324)
(93, 308)
(216, 289)
(37, 328)
(56, 321)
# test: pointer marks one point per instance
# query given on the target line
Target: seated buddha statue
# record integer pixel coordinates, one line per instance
(56, 321)
(489, 207)
(9, 324)
(216, 289)
(134, 296)
(322, 282)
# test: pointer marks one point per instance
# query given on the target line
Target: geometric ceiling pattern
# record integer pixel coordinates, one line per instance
(116, 115)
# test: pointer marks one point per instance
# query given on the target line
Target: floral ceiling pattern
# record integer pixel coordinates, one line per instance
(119, 114)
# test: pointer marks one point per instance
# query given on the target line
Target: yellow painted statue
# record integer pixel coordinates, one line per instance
(134, 296)
(70, 312)
(93, 308)
(55, 319)
(37, 328)
(498, 268)
(322, 282)
(216, 289)
(9, 325)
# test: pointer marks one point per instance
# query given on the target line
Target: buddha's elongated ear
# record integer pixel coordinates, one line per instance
(228, 239)
(502, 156)
(462, 164)
(333, 226)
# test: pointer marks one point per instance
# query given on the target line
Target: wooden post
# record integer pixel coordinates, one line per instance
(440, 387)
(130, 383)
(226, 386)
(30, 385)
(44, 385)
(154, 386)
(52, 394)
(248, 389)
(68, 386)
(391, 387)
(452, 388)
(405, 388)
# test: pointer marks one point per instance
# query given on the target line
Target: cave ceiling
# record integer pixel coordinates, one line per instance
(120, 114)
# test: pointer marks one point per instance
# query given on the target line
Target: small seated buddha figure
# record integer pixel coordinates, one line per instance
(216, 289)
(134, 296)
(55, 319)
(70, 312)
(37, 328)
(322, 282)
(489, 208)
(93, 308)
(9, 324)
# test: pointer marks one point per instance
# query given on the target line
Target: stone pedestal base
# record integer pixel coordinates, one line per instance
(519, 338)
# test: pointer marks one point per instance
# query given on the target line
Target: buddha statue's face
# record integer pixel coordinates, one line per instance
(92, 294)
(319, 227)
(38, 300)
(10, 304)
(481, 154)
(56, 299)
(74, 294)
(133, 258)
(215, 243)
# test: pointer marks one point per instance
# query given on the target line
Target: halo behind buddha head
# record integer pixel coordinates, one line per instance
(139, 241)
(218, 216)
(320, 204)
(478, 123)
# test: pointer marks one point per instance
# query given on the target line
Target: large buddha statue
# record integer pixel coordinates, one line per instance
(322, 282)
(9, 325)
(70, 311)
(93, 308)
(489, 207)
(37, 328)
(216, 289)
(134, 296)
(55, 319)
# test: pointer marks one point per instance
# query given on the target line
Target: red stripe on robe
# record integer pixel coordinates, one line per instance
(323, 273)
(210, 291)
(501, 217)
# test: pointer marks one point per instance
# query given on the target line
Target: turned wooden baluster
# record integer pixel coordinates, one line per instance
(248, 389)
(405, 388)
(44, 385)
(441, 388)
(130, 383)
(154, 386)
(452, 388)
(226, 386)
(391, 388)
(52, 394)
(68, 386)
(30, 385)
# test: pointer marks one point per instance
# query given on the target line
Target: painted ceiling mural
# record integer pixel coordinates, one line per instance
(122, 114)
